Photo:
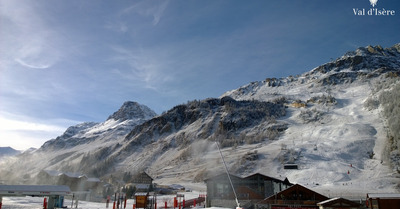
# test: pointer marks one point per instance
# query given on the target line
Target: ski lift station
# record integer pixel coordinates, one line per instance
(55, 194)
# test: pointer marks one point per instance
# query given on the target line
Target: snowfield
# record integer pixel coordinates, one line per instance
(334, 154)
(37, 202)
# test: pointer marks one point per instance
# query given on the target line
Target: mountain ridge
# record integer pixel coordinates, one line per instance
(8, 151)
(330, 114)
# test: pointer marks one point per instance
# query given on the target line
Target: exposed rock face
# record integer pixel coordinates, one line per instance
(229, 118)
(132, 110)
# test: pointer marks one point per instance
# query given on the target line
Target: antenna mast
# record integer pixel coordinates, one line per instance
(229, 177)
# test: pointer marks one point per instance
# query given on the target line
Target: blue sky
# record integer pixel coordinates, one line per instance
(66, 62)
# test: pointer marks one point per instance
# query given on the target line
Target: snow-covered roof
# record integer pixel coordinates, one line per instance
(37, 190)
(141, 194)
(338, 201)
(93, 180)
(330, 200)
(69, 174)
(384, 195)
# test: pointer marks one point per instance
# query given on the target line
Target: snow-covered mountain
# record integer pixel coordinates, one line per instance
(338, 128)
(8, 151)
(68, 151)
(116, 126)
(335, 122)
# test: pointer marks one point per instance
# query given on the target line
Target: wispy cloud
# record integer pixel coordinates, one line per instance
(27, 39)
(140, 66)
(36, 65)
(154, 9)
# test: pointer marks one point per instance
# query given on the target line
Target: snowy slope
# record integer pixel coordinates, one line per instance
(338, 143)
(344, 150)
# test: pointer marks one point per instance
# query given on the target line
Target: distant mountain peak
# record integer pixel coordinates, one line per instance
(132, 110)
(8, 151)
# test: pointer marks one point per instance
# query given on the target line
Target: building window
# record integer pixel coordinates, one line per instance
(222, 190)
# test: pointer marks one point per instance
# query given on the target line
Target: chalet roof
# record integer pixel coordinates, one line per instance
(269, 178)
(296, 189)
(338, 202)
(143, 173)
(39, 190)
(222, 175)
(55, 173)
(141, 194)
(383, 195)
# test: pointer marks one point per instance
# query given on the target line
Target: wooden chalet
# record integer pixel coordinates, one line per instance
(249, 189)
(383, 200)
(294, 197)
(142, 178)
(267, 185)
(142, 181)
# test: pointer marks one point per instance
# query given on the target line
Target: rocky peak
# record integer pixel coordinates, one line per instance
(365, 60)
(132, 110)
(375, 50)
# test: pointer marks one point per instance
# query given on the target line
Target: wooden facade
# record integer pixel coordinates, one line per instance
(383, 201)
(249, 189)
(142, 178)
(295, 197)
(143, 182)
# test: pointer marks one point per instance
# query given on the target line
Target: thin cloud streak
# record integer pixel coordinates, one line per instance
(148, 8)
(37, 66)
(33, 44)
(144, 68)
